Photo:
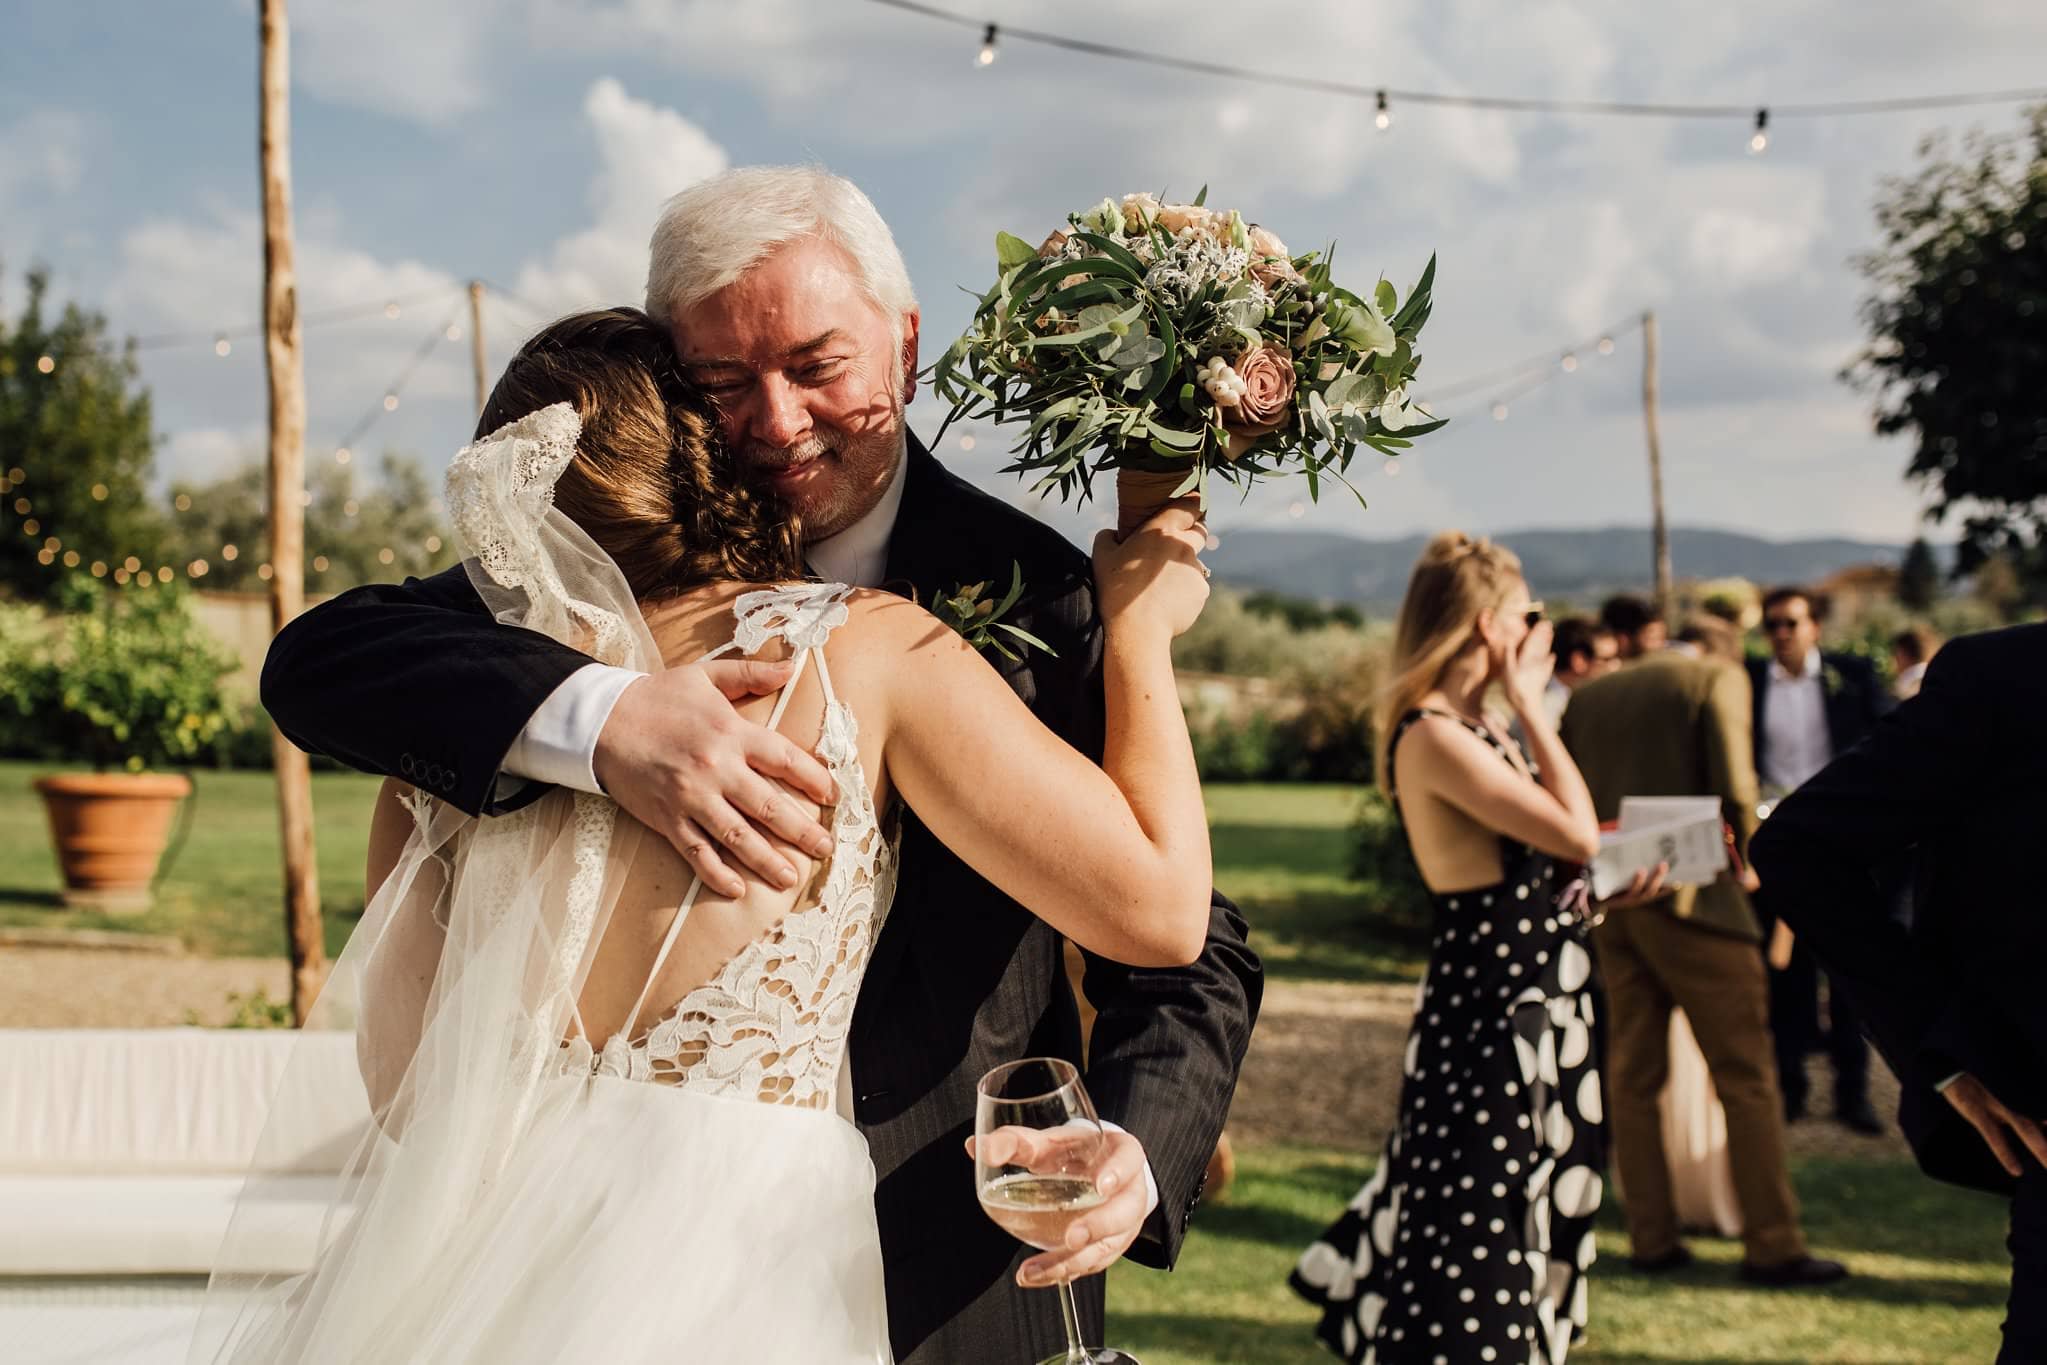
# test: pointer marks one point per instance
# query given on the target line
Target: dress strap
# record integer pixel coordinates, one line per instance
(1407, 722)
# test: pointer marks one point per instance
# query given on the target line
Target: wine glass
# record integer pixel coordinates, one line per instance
(1036, 1143)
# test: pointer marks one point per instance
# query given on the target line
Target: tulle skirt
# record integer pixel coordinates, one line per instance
(631, 1222)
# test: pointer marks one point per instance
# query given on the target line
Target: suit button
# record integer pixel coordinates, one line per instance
(436, 775)
(406, 766)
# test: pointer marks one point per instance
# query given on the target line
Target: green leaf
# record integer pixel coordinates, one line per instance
(1020, 633)
(1385, 297)
(1417, 309)
(1013, 251)
(1179, 440)
(1201, 199)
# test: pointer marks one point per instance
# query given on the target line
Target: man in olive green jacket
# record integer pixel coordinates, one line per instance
(1670, 725)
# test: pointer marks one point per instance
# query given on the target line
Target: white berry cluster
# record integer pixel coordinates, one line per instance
(1223, 384)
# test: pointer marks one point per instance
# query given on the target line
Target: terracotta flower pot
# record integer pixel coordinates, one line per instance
(110, 829)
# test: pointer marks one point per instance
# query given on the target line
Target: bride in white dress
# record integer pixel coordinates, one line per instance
(607, 1114)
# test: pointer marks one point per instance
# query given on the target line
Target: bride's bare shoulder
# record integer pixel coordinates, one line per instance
(885, 625)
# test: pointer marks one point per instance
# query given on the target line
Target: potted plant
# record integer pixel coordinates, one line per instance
(128, 682)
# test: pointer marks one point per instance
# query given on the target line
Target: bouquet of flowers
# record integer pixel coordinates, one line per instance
(1176, 344)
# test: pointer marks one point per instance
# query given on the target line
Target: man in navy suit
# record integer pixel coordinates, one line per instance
(1810, 706)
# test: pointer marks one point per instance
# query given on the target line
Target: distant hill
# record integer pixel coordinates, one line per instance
(1579, 565)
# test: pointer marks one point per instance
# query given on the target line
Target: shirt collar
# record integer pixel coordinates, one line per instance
(1778, 673)
(859, 554)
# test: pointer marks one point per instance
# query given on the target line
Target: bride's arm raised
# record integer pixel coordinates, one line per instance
(1115, 857)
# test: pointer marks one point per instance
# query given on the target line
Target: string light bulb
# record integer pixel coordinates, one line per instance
(386, 555)
(454, 332)
(228, 553)
(46, 363)
(222, 346)
(1569, 362)
(1392, 467)
(343, 455)
(1499, 412)
(391, 309)
(319, 563)
(390, 402)
(71, 559)
(433, 545)
(263, 572)
(1606, 345)
(183, 502)
(1384, 118)
(986, 56)
(99, 492)
(99, 568)
(1759, 141)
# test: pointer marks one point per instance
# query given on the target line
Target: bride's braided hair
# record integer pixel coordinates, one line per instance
(651, 483)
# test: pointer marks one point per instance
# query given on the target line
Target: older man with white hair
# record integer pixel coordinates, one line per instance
(790, 305)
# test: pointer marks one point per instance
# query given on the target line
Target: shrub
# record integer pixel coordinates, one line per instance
(129, 680)
(1381, 857)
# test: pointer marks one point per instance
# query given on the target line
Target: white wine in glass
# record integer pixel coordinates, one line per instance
(1036, 1144)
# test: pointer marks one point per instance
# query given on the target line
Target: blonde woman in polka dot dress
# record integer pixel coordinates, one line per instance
(1472, 1240)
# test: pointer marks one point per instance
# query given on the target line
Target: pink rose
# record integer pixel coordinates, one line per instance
(1268, 398)
(1175, 218)
(1271, 263)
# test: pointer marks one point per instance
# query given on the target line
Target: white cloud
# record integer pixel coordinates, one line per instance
(42, 156)
(424, 61)
(204, 454)
(645, 154)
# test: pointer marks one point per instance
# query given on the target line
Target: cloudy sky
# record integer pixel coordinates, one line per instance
(529, 142)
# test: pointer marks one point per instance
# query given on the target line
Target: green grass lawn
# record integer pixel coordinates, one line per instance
(222, 890)
(1929, 1283)
(1283, 853)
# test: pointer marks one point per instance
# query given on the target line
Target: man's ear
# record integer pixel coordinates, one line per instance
(911, 320)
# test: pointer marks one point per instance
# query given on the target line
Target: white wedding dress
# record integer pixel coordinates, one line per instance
(692, 1189)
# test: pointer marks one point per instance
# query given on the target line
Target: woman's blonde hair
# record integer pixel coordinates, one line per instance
(1456, 578)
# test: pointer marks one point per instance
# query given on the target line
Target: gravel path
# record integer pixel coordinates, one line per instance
(1324, 1067)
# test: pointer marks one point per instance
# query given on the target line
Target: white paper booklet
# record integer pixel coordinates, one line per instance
(1683, 831)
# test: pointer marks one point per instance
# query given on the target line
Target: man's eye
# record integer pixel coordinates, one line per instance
(721, 385)
(823, 372)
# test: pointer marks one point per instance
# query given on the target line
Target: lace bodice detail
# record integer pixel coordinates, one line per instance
(772, 1024)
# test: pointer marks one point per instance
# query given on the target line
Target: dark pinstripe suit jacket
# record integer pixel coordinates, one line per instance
(412, 681)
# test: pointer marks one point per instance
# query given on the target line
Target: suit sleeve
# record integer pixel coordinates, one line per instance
(1730, 751)
(1824, 852)
(414, 681)
(1167, 1043)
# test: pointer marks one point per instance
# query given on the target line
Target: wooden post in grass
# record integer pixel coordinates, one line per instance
(476, 357)
(284, 365)
(1659, 529)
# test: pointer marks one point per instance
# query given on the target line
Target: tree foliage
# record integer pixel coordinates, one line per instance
(1957, 322)
(349, 526)
(75, 422)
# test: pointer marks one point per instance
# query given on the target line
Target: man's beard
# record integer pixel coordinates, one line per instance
(864, 466)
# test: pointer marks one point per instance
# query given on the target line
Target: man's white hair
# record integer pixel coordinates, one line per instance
(718, 229)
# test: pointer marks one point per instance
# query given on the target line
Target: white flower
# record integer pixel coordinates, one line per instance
(1223, 384)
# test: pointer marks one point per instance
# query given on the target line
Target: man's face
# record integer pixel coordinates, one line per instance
(807, 380)
(1792, 632)
(1606, 656)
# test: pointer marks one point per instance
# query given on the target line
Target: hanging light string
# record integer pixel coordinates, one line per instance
(1382, 97)
(1547, 364)
(215, 337)
(447, 331)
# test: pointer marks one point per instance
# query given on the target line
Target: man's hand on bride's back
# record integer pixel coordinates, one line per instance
(680, 760)
(1154, 578)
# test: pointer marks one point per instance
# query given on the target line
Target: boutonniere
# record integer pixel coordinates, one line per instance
(1830, 680)
(976, 616)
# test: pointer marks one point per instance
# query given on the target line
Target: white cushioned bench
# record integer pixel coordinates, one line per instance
(122, 1151)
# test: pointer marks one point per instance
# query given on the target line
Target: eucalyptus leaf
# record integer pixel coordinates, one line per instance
(1013, 251)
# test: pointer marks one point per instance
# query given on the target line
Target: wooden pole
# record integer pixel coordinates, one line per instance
(1659, 529)
(476, 344)
(284, 365)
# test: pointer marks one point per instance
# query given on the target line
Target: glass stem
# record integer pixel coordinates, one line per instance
(1076, 1354)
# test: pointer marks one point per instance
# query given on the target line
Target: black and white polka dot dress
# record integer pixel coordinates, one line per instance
(1472, 1240)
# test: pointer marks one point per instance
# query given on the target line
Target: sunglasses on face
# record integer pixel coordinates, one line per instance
(1533, 614)
(1774, 624)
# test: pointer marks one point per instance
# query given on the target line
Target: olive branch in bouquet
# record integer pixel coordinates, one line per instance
(1170, 338)
(977, 617)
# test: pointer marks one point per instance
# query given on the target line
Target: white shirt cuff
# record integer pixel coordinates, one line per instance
(1942, 1086)
(1151, 1181)
(559, 744)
